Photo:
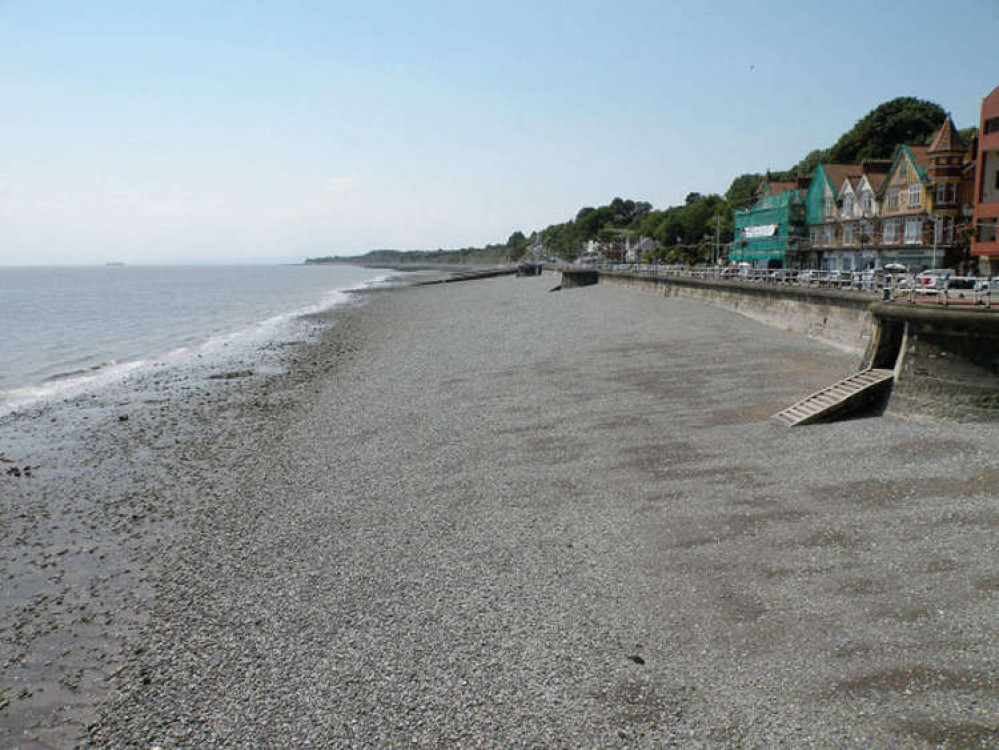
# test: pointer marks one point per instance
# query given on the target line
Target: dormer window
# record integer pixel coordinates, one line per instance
(848, 205)
(915, 194)
(830, 207)
(867, 201)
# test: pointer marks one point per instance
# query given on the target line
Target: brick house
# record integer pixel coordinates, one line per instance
(985, 246)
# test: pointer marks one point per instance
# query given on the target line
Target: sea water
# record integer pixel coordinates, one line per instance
(63, 329)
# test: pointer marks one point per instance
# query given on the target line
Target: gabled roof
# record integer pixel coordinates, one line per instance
(876, 170)
(848, 184)
(776, 188)
(947, 138)
(837, 173)
(875, 180)
(918, 156)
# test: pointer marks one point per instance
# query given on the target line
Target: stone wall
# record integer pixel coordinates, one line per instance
(841, 319)
(948, 365)
(946, 360)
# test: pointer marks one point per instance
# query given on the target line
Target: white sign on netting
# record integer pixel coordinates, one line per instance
(764, 230)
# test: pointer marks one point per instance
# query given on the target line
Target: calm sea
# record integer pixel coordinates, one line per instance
(63, 329)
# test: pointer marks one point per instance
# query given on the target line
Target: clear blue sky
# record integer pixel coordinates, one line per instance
(184, 131)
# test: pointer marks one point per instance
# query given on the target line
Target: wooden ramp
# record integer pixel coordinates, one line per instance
(839, 399)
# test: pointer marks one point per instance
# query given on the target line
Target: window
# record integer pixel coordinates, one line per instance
(830, 207)
(946, 193)
(867, 201)
(849, 202)
(893, 199)
(813, 234)
(915, 194)
(913, 231)
(891, 231)
(828, 234)
(987, 230)
(992, 125)
(848, 234)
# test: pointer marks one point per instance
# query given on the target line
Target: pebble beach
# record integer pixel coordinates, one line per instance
(482, 514)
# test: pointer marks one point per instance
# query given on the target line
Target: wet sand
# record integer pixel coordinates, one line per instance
(483, 514)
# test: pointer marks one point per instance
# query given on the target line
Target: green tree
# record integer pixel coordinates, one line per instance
(968, 133)
(742, 191)
(875, 136)
(807, 165)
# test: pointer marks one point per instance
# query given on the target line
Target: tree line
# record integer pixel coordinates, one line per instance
(688, 232)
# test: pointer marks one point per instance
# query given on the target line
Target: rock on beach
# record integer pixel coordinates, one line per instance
(479, 514)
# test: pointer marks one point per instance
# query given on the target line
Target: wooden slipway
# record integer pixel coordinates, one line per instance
(839, 399)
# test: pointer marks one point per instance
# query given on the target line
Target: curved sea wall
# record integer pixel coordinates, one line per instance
(946, 360)
(841, 319)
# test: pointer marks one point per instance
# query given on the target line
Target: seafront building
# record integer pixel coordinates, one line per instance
(907, 210)
(927, 206)
(905, 203)
(830, 199)
(984, 239)
(772, 230)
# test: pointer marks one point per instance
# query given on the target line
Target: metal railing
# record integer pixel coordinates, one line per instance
(909, 287)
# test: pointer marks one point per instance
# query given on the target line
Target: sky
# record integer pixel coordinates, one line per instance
(178, 132)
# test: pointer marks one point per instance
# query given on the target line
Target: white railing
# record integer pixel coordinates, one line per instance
(887, 286)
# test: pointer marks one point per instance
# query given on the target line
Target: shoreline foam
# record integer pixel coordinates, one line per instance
(225, 346)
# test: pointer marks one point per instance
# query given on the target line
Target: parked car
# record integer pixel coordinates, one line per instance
(932, 278)
(838, 277)
(873, 276)
(962, 282)
(810, 276)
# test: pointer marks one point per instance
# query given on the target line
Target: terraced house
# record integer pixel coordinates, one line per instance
(908, 209)
(859, 208)
(924, 201)
(772, 231)
(904, 203)
(843, 210)
(825, 211)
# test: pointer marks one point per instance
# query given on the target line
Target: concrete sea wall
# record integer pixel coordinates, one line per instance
(946, 360)
(841, 319)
